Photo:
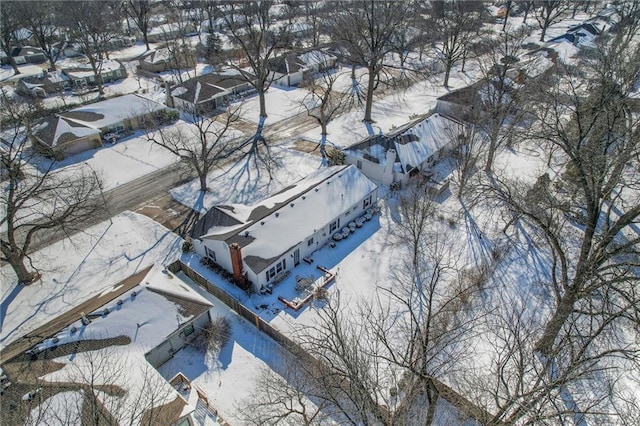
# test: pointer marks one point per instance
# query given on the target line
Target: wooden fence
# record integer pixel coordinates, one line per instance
(463, 404)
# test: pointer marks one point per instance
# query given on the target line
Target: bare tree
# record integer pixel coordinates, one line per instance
(549, 12)
(350, 379)
(500, 112)
(140, 12)
(284, 400)
(324, 103)
(251, 28)
(458, 24)
(203, 142)
(37, 200)
(9, 24)
(43, 20)
(92, 26)
(367, 29)
(585, 216)
(183, 56)
(429, 316)
(597, 144)
(465, 155)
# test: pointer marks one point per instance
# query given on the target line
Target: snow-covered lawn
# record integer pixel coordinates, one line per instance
(243, 183)
(120, 163)
(73, 270)
(229, 376)
(394, 109)
(282, 102)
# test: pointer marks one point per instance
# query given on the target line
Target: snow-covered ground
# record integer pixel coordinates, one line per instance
(73, 270)
(108, 252)
(394, 109)
(243, 183)
(282, 102)
(117, 164)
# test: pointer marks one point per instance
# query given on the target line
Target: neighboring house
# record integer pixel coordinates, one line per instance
(261, 244)
(405, 151)
(286, 70)
(208, 92)
(58, 137)
(169, 31)
(84, 127)
(43, 84)
(153, 314)
(162, 60)
(292, 69)
(462, 104)
(25, 55)
(24, 37)
(83, 77)
(119, 114)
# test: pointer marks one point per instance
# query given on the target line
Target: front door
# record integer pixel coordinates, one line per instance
(296, 257)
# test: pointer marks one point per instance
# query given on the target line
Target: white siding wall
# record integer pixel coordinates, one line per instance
(320, 238)
(220, 248)
(369, 168)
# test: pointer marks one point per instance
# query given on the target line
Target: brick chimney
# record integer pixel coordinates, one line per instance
(236, 263)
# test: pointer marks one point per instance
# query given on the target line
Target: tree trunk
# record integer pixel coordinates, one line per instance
(506, 16)
(544, 31)
(490, 157)
(323, 144)
(146, 40)
(17, 264)
(369, 102)
(432, 396)
(447, 71)
(263, 105)
(553, 327)
(12, 61)
(203, 181)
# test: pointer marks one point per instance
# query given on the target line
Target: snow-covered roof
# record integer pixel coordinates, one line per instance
(280, 222)
(414, 142)
(43, 79)
(425, 139)
(315, 57)
(86, 71)
(208, 86)
(158, 56)
(169, 28)
(113, 111)
(146, 314)
(56, 131)
(152, 303)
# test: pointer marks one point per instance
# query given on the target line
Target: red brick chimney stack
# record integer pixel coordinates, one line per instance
(236, 263)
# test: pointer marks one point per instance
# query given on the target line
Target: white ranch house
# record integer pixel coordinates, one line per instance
(262, 243)
(407, 150)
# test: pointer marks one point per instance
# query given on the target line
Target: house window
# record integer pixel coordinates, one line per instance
(334, 225)
(359, 164)
(210, 253)
(367, 202)
(188, 330)
(278, 268)
(310, 242)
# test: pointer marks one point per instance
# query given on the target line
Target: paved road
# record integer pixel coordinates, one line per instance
(128, 196)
